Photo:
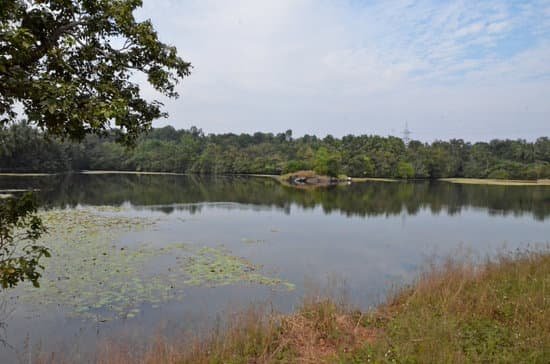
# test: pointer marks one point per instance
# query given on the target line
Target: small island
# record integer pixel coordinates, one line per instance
(308, 178)
(311, 179)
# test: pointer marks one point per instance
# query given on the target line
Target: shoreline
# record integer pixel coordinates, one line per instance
(459, 311)
(92, 172)
(496, 182)
(376, 179)
(280, 178)
(30, 174)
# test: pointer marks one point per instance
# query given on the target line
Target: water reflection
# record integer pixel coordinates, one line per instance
(305, 236)
(167, 193)
(5, 313)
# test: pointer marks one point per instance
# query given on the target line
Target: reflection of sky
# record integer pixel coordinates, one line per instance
(368, 253)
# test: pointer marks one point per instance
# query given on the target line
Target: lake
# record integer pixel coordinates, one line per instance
(138, 255)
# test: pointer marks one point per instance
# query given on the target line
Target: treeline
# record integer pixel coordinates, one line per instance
(25, 149)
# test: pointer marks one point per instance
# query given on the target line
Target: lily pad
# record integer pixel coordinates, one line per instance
(93, 276)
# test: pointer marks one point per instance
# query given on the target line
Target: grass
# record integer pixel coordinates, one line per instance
(498, 182)
(461, 313)
(457, 312)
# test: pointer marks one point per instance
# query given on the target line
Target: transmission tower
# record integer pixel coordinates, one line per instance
(406, 134)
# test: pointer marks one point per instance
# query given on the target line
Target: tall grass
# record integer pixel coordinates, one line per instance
(460, 312)
(456, 312)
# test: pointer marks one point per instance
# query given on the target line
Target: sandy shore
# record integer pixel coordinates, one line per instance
(497, 182)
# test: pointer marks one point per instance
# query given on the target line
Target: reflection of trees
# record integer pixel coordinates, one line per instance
(168, 192)
(5, 313)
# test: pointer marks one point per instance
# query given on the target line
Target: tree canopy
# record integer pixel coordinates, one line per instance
(67, 67)
(69, 64)
(191, 151)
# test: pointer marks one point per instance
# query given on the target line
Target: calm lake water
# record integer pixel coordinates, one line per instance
(211, 244)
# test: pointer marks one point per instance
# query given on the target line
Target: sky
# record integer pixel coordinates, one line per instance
(475, 70)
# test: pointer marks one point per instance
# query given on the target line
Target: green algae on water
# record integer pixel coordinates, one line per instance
(252, 241)
(92, 275)
(216, 267)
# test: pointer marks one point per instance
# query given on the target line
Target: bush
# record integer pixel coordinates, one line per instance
(531, 173)
(327, 163)
(405, 170)
(544, 171)
(498, 174)
(294, 166)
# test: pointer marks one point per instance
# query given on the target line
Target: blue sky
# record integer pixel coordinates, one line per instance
(466, 69)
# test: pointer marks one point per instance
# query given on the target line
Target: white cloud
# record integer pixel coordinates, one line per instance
(497, 27)
(470, 30)
(337, 67)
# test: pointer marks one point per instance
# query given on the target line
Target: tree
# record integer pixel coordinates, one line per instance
(405, 170)
(542, 149)
(326, 162)
(69, 64)
(359, 166)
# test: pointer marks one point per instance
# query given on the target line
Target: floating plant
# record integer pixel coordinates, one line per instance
(216, 267)
(252, 241)
(91, 274)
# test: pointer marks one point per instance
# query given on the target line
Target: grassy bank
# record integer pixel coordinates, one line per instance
(457, 312)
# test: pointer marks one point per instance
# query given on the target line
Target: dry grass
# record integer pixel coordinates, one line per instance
(316, 333)
(322, 329)
(456, 312)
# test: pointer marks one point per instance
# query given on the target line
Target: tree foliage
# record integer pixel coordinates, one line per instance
(326, 163)
(20, 228)
(68, 67)
(69, 64)
(191, 151)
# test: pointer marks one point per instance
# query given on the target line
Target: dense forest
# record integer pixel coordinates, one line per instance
(26, 149)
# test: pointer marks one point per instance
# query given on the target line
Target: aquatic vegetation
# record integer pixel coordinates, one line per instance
(214, 267)
(459, 312)
(252, 241)
(93, 274)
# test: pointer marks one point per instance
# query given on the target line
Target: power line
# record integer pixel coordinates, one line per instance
(406, 134)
